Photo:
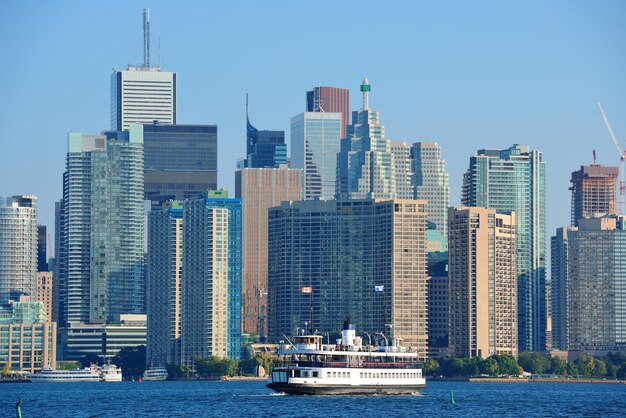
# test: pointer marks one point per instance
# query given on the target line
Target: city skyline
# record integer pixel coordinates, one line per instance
(492, 75)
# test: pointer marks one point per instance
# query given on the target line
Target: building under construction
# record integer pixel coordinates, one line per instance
(593, 191)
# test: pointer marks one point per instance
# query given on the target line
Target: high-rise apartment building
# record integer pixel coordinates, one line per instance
(180, 161)
(365, 165)
(144, 95)
(330, 99)
(593, 191)
(315, 142)
(559, 261)
(431, 183)
(482, 282)
(264, 148)
(101, 227)
(165, 267)
(507, 180)
(363, 258)
(44, 293)
(437, 303)
(18, 247)
(596, 286)
(402, 166)
(260, 189)
(211, 281)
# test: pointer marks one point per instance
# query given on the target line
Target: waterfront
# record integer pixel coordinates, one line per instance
(251, 399)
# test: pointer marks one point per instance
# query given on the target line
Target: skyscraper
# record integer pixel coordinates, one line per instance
(430, 182)
(18, 247)
(315, 142)
(330, 99)
(101, 227)
(165, 265)
(211, 281)
(596, 286)
(180, 161)
(42, 253)
(364, 258)
(593, 191)
(560, 294)
(514, 180)
(259, 189)
(142, 95)
(482, 282)
(264, 148)
(402, 165)
(365, 165)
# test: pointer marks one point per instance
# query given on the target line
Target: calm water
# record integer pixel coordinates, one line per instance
(252, 399)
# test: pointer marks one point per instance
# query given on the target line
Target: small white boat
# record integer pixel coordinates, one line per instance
(155, 373)
(110, 373)
(88, 374)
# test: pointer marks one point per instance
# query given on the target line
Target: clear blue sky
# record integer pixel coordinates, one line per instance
(469, 75)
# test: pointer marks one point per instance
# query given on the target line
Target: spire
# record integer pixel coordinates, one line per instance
(365, 89)
(146, 38)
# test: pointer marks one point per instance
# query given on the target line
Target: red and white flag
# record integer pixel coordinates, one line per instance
(307, 290)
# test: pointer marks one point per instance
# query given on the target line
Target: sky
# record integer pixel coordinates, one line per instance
(469, 75)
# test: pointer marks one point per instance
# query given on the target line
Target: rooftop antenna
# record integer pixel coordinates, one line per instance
(247, 119)
(159, 51)
(365, 89)
(146, 38)
(318, 93)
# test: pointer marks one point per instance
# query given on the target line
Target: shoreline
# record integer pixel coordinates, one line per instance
(526, 380)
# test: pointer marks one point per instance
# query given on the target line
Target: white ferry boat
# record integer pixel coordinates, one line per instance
(88, 374)
(110, 373)
(155, 373)
(310, 367)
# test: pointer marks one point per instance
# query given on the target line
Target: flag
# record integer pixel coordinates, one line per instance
(379, 288)
(307, 290)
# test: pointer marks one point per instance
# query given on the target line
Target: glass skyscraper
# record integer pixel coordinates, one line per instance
(330, 99)
(315, 142)
(514, 179)
(18, 247)
(264, 149)
(180, 161)
(101, 227)
(430, 182)
(211, 279)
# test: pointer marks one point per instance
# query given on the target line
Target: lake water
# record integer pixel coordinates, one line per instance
(252, 399)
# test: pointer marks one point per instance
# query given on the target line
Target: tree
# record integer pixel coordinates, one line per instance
(6, 371)
(534, 362)
(490, 366)
(558, 366)
(132, 360)
(431, 366)
(266, 360)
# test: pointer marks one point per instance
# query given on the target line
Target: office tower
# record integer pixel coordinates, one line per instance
(330, 99)
(259, 189)
(101, 227)
(363, 258)
(211, 285)
(482, 282)
(402, 164)
(596, 286)
(142, 95)
(32, 342)
(514, 180)
(180, 161)
(437, 303)
(44, 293)
(559, 263)
(165, 264)
(18, 247)
(365, 165)
(42, 254)
(103, 340)
(593, 191)
(430, 182)
(315, 142)
(264, 148)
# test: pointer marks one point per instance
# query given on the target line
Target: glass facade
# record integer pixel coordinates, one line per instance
(180, 161)
(264, 149)
(514, 180)
(315, 142)
(101, 227)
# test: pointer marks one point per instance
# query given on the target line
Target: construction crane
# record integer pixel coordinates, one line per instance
(622, 155)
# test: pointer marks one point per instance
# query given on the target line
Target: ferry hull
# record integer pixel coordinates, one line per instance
(316, 389)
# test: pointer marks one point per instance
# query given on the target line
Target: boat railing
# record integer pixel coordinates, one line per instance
(356, 365)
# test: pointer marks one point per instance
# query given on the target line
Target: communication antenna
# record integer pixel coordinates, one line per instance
(146, 38)
(318, 93)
